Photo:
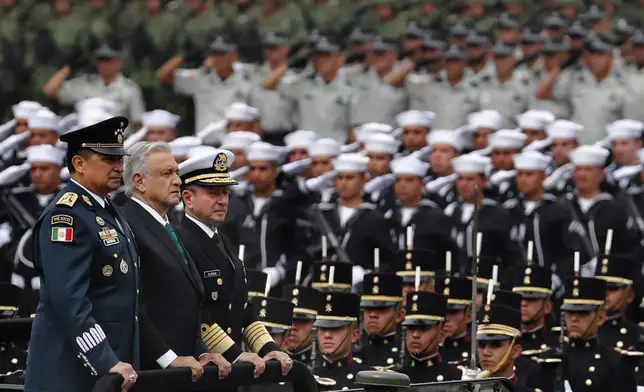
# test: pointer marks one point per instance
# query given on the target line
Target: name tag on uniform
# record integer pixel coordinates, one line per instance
(211, 274)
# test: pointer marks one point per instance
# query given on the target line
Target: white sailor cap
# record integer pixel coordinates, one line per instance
(262, 151)
(625, 129)
(640, 155)
(240, 111)
(531, 160)
(589, 156)
(363, 131)
(181, 145)
(96, 103)
(299, 139)
(45, 153)
(381, 143)
(239, 139)
(535, 119)
(200, 151)
(506, 138)
(410, 165)
(43, 119)
(325, 147)
(160, 119)
(351, 162)
(564, 129)
(471, 163)
(445, 136)
(208, 170)
(415, 117)
(90, 117)
(490, 119)
(23, 108)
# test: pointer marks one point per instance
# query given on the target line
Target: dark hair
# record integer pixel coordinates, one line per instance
(83, 152)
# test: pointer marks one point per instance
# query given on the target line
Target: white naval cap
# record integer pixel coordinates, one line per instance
(506, 138)
(301, 138)
(410, 165)
(23, 108)
(640, 155)
(531, 160)
(445, 136)
(471, 163)
(625, 129)
(490, 119)
(262, 151)
(351, 162)
(535, 119)
(208, 170)
(90, 117)
(364, 131)
(589, 156)
(564, 129)
(415, 117)
(381, 143)
(43, 119)
(239, 140)
(160, 119)
(45, 153)
(325, 147)
(240, 111)
(181, 145)
(200, 151)
(94, 103)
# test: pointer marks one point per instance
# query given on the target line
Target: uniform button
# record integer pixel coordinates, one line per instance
(245, 305)
(620, 344)
(128, 241)
(84, 365)
(345, 388)
(136, 318)
(591, 369)
(229, 330)
(14, 360)
(137, 291)
(230, 306)
(623, 331)
(439, 378)
(390, 361)
(598, 356)
(349, 376)
(589, 382)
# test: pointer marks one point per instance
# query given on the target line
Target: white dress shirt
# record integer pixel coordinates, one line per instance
(209, 232)
(99, 200)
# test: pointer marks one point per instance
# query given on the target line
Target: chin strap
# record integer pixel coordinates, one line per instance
(488, 373)
(351, 327)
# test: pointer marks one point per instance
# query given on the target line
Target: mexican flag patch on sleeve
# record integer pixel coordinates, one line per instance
(62, 234)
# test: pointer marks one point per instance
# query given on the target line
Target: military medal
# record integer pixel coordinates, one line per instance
(123, 266)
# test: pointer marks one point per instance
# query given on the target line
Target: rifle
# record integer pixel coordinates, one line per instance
(477, 239)
(328, 233)
(587, 246)
(634, 212)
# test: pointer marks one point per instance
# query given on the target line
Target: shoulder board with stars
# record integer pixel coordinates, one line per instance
(68, 199)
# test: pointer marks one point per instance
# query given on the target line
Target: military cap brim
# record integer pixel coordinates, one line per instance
(532, 294)
(419, 322)
(331, 324)
(210, 170)
(492, 337)
(407, 279)
(106, 53)
(452, 307)
(367, 303)
(275, 330)
(105, 137)
(303, 316)
(572, 308)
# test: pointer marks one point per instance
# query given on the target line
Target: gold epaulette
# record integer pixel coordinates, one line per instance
(68, 199)
(256, 336)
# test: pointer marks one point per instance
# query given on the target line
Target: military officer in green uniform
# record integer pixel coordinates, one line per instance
(338, 326)
(328, 15)
(382, 311)
(203, 25)
(283, 16)
(101, 15)
(390, 22)
(423, 324)
(299, 342)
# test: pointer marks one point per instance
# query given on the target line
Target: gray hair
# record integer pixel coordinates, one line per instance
(137, 161)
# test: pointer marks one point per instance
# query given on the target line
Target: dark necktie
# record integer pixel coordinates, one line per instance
(175, 239)
(110, 208)
(216, 238)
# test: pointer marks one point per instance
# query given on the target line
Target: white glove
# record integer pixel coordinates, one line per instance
(379, 183)
(470, 374)
(295, 167)
(275, 275)
(567, 387)
(5, 234)
(357, 275)
(6, 129)
(557, 286)
(320, 183)
(11, 143)
(588, 269)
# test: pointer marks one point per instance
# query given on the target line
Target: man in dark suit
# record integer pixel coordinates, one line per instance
(171, 291)
(87, 321)
(227, 316)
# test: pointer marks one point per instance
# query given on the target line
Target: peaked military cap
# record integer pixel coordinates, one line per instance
(477, 38)
(9, 299)
(530, 37)
(583, 294)
(616, 270)
(106, 52)
(275, 313)
(208, 170)
(342, 276)
(222, 44)
(498, 322)
(458, 291)
(361, 35)
(507, 21)
(507, 298)
(385, 44)
(532, 281)
(484, 273)
(105, 137)
(326, 45)
(256, 282)
(430, 43)
(555, 22)
(408, 260)
(305, 299)
(337, 309)
(555, 45)
(460, 29)
(413, 30)
(424, 308)
(600, 44)
(502, 49)
(275, 38)
(638, 38)
(594, 14)
(577, 30)
(454, 52)
(379, 290)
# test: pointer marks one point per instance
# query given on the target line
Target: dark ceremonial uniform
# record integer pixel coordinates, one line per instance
(365, 230)
(338, 310)
(383, 200)
(407, 261)
(588, 364)
(424, 310)
(88, 315)
(494, 224)
(381, 291)
(306, 301)
(342, 276)
(456, 349)
(443, 195)
(13, 359)
(227, 318)
(255, 283)
(620, 333)
(545, 223)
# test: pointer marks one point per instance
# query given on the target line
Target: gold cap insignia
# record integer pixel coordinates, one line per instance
(221, 162)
